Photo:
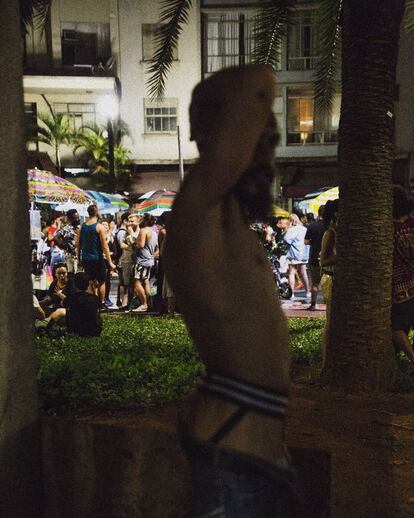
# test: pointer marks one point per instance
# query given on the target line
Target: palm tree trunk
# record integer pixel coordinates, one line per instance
(361, 355)
(58, 160)
(20, 459)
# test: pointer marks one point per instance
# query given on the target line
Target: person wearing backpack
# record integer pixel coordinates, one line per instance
(124, 258)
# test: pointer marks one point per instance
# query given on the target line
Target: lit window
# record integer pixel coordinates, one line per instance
(148, 41)
(161, 116)
(305, 125)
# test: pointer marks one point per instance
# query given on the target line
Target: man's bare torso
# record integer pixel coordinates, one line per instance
(224, 286)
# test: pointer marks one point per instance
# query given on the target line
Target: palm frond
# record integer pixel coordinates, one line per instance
(271, 23)
(329, 42)
(54, 129)
(174, 15)
(409, 16)
(34, 13)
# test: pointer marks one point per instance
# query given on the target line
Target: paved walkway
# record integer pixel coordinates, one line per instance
(299, 307)
(292, 308)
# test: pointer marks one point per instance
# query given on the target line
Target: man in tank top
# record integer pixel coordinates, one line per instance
(233, 424)
(145, 245)
(91, 248)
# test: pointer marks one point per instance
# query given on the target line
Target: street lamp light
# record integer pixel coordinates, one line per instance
(109, 108)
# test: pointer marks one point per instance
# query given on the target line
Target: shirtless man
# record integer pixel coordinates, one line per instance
(233, 424)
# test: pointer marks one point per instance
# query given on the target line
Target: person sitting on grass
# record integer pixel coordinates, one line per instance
(43, 323)
(58, 290)
(82, 316)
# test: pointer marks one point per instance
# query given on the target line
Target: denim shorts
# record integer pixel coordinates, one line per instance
(230, 484)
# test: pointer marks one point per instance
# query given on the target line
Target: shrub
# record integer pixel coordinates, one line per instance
(135, 362)
(141, 362)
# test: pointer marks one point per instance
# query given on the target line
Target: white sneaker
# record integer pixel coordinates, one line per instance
(140, 309)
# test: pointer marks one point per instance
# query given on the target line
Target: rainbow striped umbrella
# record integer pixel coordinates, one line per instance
(44, 187)
(322, 198)
(108, 203)
(158, 203)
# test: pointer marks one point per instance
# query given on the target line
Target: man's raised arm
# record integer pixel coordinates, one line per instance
(228, 114)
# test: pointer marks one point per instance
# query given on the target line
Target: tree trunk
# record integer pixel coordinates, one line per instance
(361, 354)
(20, 459)
(58, 161)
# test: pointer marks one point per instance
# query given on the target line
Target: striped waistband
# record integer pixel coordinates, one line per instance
(249, 396)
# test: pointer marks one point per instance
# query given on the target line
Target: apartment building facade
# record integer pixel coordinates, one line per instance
(94, 52)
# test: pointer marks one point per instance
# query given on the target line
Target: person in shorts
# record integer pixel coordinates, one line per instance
(313, 237)
(402, 310)
(146, 246)
(91, 248)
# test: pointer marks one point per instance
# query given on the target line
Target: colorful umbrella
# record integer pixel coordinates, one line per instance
(321, 199)
(157, 203)
(44, 187)
(108, 203)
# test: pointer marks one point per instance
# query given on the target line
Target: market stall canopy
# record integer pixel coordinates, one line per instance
(44, 187)
(159, 202)
(321, 199)
(68, 205)
(304, 204)
(108, 203)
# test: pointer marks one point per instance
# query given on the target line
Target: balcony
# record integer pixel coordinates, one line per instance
(304, 138)
(77, 70)
(302, 63)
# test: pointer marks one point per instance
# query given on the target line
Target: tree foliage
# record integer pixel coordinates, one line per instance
(174, 15)
(34, 13)
(93, 138)
(271, 24)
(329, 51)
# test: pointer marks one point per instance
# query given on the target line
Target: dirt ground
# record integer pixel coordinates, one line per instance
(370, 439)
(371, 442)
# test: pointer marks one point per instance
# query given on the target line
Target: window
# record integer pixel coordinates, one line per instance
(227, 40)
(148, 41)
(305, 125)
(30, 116)
(160, 116)
(85, 43)
(302, 41)
(80, 114)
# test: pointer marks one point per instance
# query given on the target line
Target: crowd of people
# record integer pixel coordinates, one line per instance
(296, 240)
(85, 258)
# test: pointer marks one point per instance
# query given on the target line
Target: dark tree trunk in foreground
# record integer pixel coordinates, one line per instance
(361, 356)
(20, 461)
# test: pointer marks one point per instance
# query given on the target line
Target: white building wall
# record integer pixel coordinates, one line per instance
(183, 76)
(126, 18)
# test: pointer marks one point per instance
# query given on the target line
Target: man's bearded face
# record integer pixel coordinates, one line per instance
(253, 188)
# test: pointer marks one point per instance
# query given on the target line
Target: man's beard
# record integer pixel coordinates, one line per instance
(253, 192)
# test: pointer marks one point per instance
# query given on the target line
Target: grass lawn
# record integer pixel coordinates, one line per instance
(137, 362)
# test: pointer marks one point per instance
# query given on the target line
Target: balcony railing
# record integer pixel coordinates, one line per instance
(303, 138)
(106, 70)
(302, 63)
